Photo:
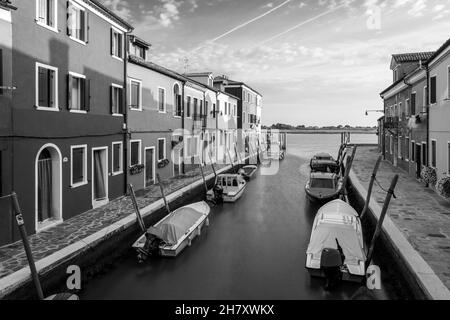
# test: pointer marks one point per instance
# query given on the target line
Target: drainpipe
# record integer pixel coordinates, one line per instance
(183, 171)
(428, 113)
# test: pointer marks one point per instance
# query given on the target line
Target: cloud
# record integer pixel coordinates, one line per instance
(121, 8)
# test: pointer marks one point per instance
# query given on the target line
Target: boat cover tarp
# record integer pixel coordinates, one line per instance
(325, 235)
(174, 227)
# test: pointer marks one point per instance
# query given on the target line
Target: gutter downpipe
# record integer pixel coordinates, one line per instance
(183, 127)
(125, 114)
(427, 96)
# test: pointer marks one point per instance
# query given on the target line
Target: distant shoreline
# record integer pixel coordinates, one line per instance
(328, 131)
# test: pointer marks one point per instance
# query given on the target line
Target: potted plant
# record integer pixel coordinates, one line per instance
(429, 175)
(443, 186)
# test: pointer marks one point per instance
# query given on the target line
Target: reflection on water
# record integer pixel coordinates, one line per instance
(254, 249)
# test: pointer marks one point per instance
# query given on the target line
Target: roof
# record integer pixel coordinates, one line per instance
(198, 74)
(440, 50)
(188, 75)
(153, 66)
(110, 13)
(412, 57)
(7, 4)
(392, 86)
(140, 41)
(234, 83)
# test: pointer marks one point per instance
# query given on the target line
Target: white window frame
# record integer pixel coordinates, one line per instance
(122, 44)
(153, 165)
(85, 179)
(78, 6)
(55, 17)
(119, 87)
(424, 151)
(140, 152)
(165, 150)
(407, 108)
(189, 103)
(165, 100)
(56, 107)
(115, 173)
(433, 157)
(79, 76)
(130, 80)
(425, 100)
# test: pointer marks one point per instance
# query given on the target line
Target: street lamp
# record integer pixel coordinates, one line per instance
(367, 111)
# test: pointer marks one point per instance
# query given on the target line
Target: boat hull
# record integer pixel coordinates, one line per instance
(321, 199)
(346, 276)
(233, 198)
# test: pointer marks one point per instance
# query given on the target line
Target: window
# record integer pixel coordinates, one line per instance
(116, 99)
(214, 110)
(243, 117)
(448, 81)
(424, 154)
(413, 104)
(46, 87)
(135, 94)
(135, 152)
(46, 13)
(78, 165)
(433, 97)
(195, 107)
(407, 149)
(162, 100)
(206, 108)
(413, 151)
(161, 149)
(188, 107)
(433, 153)
(178, 111)
(116, 44)
(399, 147)
(77, 22)
(139, 51)
(77, 92)
(117, 158)
(425, 98)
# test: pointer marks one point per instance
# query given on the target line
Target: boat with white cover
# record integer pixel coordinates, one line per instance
(176, 231)
(336, 227)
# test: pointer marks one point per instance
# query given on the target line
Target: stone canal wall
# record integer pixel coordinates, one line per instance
(422, 266)
(95, 250)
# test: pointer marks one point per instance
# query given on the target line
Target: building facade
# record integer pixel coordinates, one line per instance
(154, 118)
(439, 110)
(67, 129)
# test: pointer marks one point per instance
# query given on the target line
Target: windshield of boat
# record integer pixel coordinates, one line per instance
(322, 183)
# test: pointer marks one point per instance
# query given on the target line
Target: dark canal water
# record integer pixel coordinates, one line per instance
(254, 249)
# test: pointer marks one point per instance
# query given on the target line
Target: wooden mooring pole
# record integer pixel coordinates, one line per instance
(381, 220)
(203, 177)
(163, 194)
(136, 208)
(369, 191)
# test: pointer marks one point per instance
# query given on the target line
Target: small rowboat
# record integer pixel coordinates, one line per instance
(229, 187)
(337, 224)
(324, 162)
(175, 232)
(323, 187)
(248, 172)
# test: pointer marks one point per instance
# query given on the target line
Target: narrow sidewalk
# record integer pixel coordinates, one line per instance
(46, 243)
(418, 212)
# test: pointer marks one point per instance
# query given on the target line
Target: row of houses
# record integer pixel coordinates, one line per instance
(415, 131)
(84, 111)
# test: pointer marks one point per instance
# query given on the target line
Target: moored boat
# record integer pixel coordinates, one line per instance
(337, 243)
(248, 172)
(323, 187)
(175, 232)
(228, 187)
(324, 162)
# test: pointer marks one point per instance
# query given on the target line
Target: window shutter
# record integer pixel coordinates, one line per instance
(112, 42)
(87, 94)
(111, 99)
(51, 88)
(69, 19)
(121, 106)
(69, 92)
(86, 26)
(51, 12)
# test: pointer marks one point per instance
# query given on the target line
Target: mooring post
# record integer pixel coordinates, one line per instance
(26, 245)
(203, 177)
(136, 208)
(369, 191)
(162, 192)
(347, 170)
(381, 220)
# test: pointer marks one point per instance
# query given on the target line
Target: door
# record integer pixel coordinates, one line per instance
(418, 160)
(45, 187)
(99, 177)
(149, 167)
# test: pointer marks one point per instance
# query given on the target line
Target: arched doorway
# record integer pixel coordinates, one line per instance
(48, 187)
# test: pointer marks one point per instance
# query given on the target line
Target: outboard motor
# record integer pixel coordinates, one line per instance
(218, 193)
(151, 247)
(331, 262)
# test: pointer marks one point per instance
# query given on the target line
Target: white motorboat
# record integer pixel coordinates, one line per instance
(323, 187)
(228, 188)
(337, 242)
(175, 232)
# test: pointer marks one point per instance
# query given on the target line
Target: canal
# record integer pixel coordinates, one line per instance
(254, 249)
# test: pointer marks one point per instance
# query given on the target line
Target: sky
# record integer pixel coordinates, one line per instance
(316, 63)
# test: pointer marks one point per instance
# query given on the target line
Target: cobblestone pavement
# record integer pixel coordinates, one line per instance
(421, 214)
(13, 258)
